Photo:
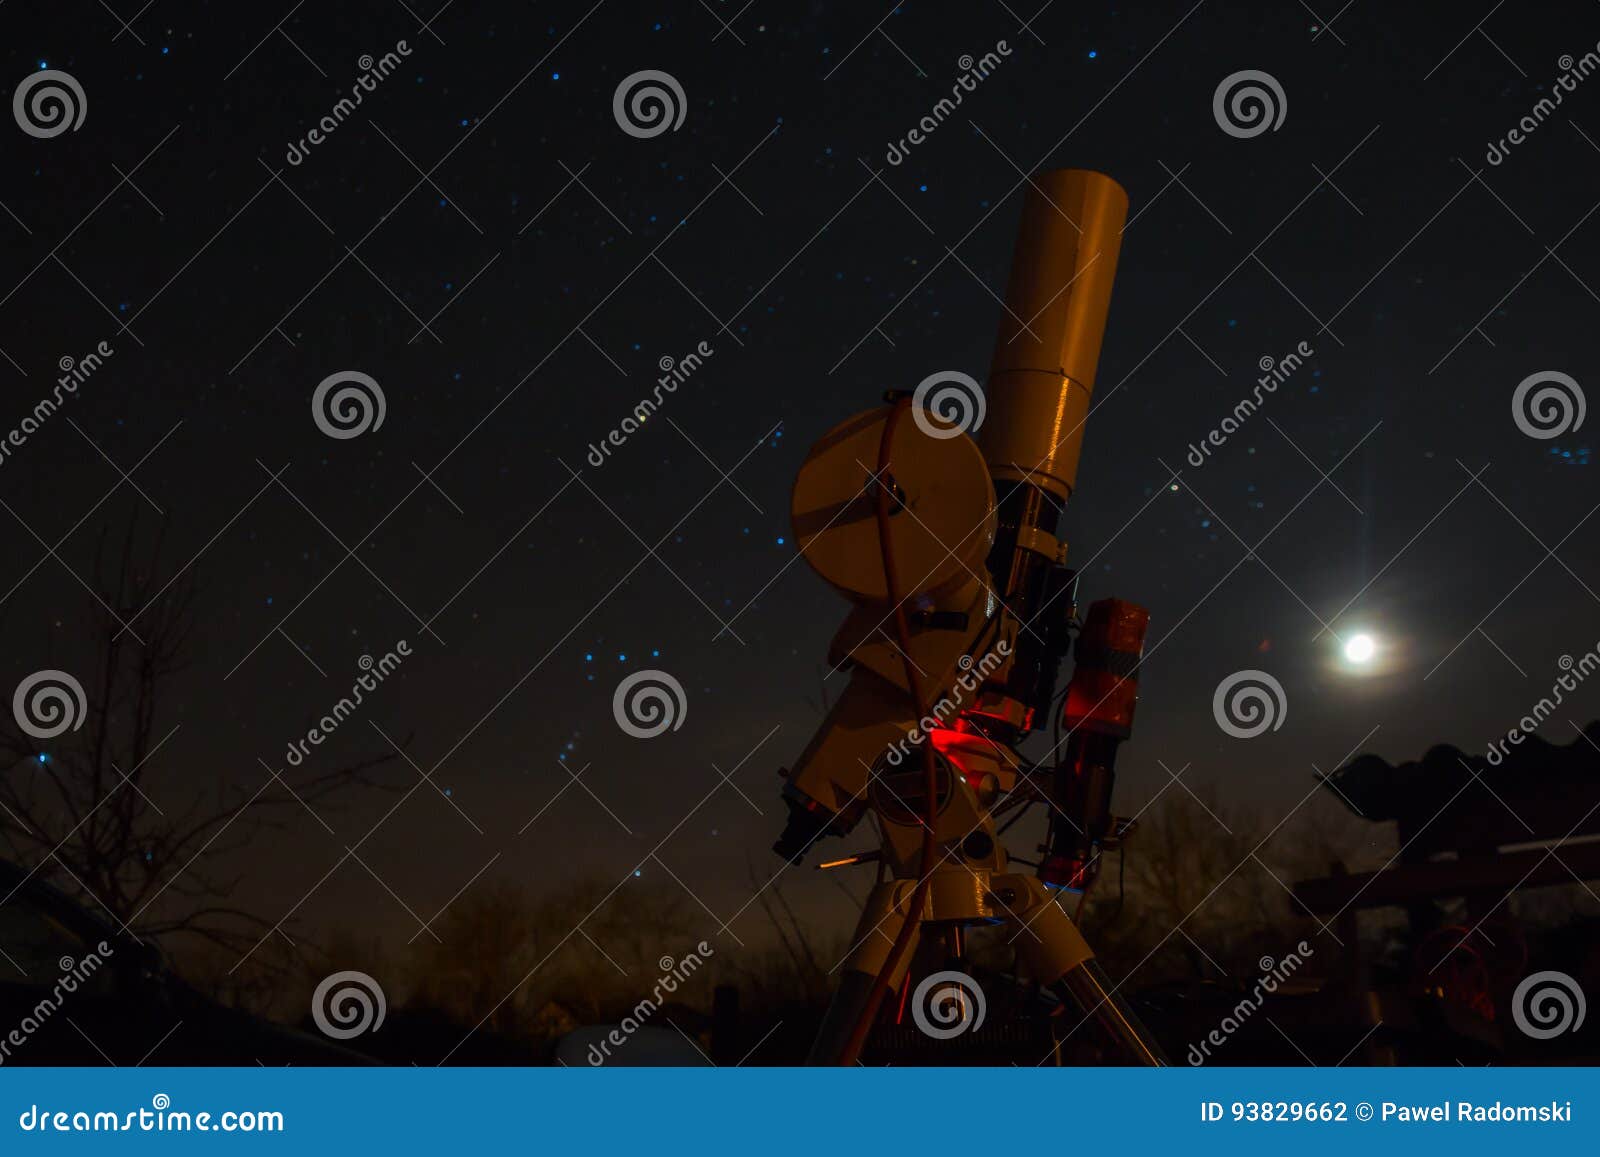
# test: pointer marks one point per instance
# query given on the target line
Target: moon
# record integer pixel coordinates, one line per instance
(1360, 648)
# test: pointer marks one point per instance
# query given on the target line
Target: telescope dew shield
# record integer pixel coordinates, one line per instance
(1105, 678)
(1099, 713)
(1042, 375)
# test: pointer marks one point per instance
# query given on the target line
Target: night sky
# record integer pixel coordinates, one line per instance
(482, 239)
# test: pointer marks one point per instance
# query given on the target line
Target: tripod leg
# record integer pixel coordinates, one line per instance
(881, 921)
(1056, 954)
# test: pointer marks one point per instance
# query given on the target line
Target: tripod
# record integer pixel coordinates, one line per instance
(1048, 945)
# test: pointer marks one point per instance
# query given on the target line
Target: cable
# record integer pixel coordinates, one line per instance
(919, 895)
(1022, 810)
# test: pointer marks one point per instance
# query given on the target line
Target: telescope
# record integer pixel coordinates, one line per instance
(938, 516)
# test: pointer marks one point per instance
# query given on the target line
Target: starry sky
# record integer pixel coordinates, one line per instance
(483, 240)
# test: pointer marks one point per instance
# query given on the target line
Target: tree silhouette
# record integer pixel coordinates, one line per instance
(76, 804)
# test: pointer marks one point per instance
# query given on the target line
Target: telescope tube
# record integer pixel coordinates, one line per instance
(1040, 383)
(1042, 375)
